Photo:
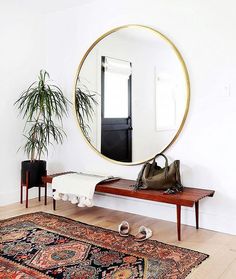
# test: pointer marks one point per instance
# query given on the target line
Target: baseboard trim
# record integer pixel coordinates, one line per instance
(14, 196)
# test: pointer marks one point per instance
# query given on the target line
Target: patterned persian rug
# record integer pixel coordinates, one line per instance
(42, 245)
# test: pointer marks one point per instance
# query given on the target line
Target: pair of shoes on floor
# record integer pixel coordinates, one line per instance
(143, 232)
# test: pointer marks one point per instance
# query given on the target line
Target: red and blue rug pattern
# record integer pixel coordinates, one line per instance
(42, 245)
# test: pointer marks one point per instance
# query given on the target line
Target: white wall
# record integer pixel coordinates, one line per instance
(206, 38)
(21, 57)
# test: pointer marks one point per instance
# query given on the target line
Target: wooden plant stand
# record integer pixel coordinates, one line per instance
(27, 187)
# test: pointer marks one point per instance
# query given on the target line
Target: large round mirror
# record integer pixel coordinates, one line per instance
(132, 94)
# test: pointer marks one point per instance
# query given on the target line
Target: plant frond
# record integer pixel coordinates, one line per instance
(85, 103)
(39, 105)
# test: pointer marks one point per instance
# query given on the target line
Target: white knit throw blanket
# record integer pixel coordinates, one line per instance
(78, 188)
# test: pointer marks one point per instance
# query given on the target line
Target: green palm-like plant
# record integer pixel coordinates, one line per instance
(84, 104)
(42, 105)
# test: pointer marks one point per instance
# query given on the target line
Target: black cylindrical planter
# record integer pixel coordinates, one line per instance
(36, 169)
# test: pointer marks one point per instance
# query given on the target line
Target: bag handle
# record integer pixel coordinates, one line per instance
(166, 162)
(160, 154)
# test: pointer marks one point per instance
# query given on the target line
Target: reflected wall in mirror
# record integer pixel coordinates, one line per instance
(132, 94)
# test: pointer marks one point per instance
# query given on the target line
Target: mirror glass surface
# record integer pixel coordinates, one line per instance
(132, 94)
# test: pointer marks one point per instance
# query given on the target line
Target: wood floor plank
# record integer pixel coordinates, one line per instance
(230, 272)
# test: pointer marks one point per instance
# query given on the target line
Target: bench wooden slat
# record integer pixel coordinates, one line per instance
(124, 187)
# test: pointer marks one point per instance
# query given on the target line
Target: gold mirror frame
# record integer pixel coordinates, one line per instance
(160, 35)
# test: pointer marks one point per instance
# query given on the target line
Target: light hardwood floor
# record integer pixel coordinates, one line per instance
(221, 247)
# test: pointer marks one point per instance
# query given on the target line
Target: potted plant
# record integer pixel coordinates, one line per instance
(43, 106)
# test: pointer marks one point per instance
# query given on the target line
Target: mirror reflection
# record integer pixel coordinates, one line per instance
(132, 94)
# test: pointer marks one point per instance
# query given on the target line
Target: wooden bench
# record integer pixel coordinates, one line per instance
(189, 197)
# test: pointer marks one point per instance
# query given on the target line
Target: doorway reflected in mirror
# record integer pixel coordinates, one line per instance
(116, 120)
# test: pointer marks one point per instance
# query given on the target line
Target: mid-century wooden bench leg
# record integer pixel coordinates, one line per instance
(53, 200)
(45, 191)
(197, 214)
(178, 208)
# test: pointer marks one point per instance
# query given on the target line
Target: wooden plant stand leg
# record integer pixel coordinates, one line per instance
(27, 189)
(197, 214)
(178, 209)
(45, 194)
(39, 193)
(21, 191)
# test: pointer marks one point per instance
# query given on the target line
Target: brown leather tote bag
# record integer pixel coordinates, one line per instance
(155, 177)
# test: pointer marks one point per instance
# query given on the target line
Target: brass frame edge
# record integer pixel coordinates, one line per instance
(187, 83)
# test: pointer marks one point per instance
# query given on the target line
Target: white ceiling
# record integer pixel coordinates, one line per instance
(41, 6)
